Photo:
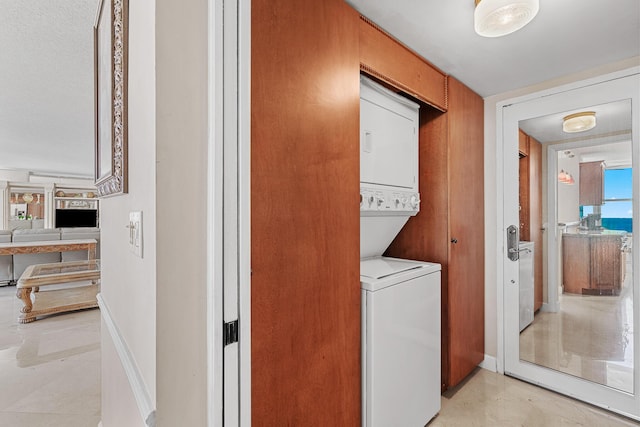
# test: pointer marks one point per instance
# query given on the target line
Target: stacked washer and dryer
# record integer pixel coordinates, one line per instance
(401, 344)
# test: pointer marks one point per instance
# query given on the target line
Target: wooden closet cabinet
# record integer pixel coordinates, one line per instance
(305, 263)
(530, 197)
(386, 59)
(450, 226)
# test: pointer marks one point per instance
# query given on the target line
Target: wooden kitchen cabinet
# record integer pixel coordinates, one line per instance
(591, 183)
(592, 264)
(449, 229)
(606, 263)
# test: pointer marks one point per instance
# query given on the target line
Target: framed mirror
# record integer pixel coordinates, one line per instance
(110, 62)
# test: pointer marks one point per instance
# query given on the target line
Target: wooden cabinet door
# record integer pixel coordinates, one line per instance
(305, 257)
(466, 227)
(576, 263)
(591, 183)
(606, 263)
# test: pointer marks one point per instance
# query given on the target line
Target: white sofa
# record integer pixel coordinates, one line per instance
(12, 266)
(6, 261)
(20, 224)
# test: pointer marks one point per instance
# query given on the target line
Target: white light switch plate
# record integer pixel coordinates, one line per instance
(135, 232)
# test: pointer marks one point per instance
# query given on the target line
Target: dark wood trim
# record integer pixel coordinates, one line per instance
(385, 58)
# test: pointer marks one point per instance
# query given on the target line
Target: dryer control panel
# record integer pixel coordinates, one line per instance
(388, 202)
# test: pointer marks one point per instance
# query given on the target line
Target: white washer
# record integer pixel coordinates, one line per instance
(400, 342)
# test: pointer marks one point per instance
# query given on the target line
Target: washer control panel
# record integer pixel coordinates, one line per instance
(388, 202)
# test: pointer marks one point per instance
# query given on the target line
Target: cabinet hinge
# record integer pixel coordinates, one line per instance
(230, 332)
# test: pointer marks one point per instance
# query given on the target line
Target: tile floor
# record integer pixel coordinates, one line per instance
(589, 337)
(49, 369)
(50, 376)
(488, 399)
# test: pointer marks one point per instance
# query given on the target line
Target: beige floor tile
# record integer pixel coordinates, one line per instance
(19, 419)
(488, 399)
(50, 368)
(590, 337)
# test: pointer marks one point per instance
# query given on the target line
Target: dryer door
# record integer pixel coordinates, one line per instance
(388, 138)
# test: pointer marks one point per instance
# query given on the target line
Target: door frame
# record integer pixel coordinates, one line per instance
(228, 204)
(503, 151)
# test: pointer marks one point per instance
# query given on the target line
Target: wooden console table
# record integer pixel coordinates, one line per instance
(14, 248)
(59, 300)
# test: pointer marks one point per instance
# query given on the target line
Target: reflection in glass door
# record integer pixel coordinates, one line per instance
(590, 332)
(580, 340)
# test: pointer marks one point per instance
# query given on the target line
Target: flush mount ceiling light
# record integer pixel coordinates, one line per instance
(495, 18)
(579, 122)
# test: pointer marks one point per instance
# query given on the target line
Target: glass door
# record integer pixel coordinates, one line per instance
(580, 339)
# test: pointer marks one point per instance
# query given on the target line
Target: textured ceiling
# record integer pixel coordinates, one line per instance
(46, 85)
(46, 62)
(567, 36)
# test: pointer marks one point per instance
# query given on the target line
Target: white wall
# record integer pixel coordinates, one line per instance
(492, 250)
(158, 303)
(129, 282)
(181, 212)
(569, 195)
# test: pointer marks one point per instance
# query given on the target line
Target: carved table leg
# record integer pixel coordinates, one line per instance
(24, 294)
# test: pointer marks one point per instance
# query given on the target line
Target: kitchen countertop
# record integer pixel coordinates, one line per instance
(594, 233)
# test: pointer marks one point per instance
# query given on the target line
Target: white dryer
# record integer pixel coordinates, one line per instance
(388, 166)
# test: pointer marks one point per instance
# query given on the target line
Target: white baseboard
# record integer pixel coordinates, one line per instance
(489, 363)
(138, 387)
(550, 307)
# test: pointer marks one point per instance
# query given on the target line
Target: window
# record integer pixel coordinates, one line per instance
(617, 210)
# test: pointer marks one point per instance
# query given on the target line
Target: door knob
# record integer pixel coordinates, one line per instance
(454, 240)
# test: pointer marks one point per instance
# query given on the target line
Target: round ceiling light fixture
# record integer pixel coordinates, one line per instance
(579, 122)
(496, 18)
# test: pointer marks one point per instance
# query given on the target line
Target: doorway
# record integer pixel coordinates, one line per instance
(580, 340)
(588, 331)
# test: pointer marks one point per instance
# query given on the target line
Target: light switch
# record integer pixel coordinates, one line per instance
(135, 232)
